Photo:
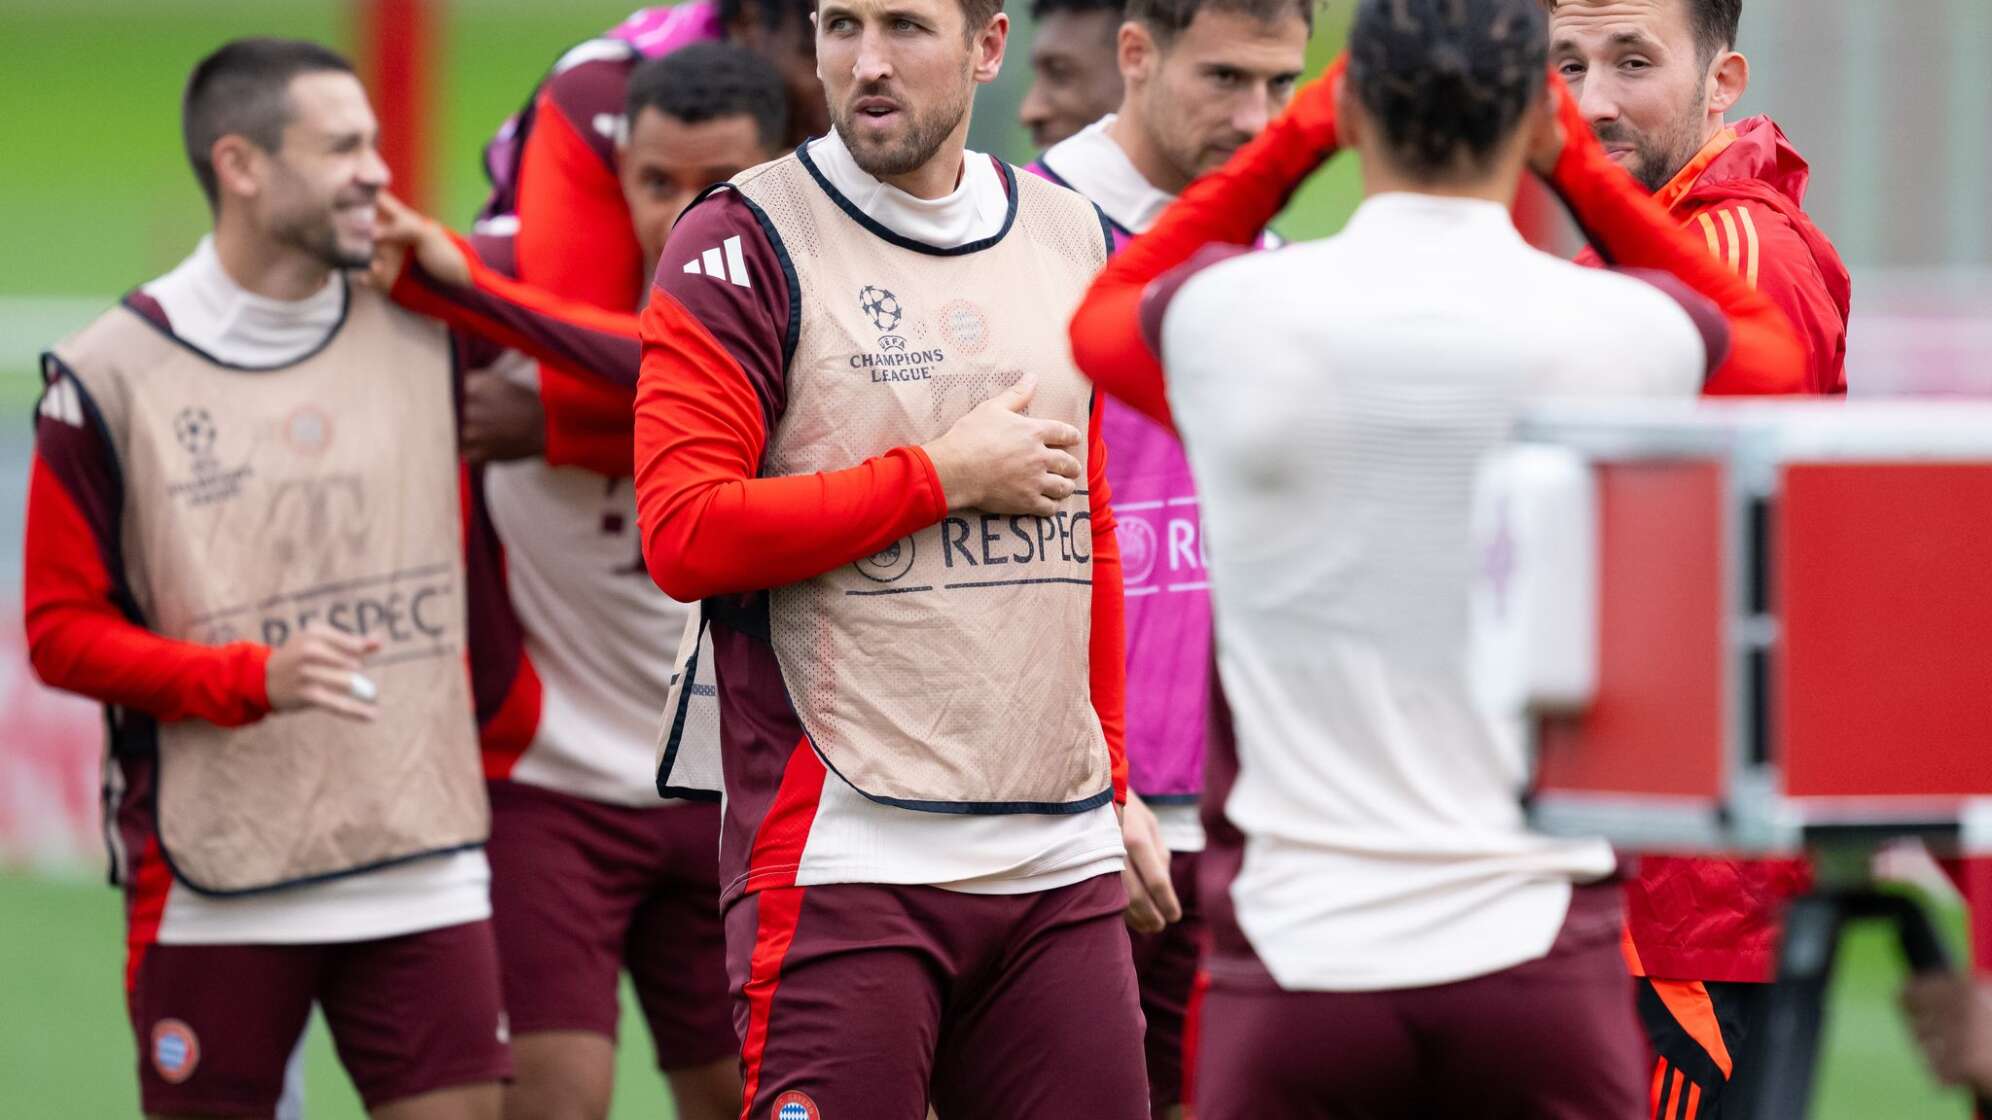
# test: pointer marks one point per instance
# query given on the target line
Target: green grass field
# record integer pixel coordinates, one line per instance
(66, 1050)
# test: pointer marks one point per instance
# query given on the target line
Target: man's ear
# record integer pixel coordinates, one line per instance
(1728, 81)
(237, 166)
(990, 44)
(1349, 120)
(1136, 51)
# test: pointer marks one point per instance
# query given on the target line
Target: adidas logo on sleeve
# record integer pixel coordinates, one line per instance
(722, 262)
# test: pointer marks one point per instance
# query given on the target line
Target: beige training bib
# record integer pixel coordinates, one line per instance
(258, 501)
(949, 671)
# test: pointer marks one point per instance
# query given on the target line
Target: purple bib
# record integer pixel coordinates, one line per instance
(1168, 595)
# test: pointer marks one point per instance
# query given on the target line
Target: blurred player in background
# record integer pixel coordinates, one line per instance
(556, 190)
(861, 443)
(591, 873)
(1389, 938)
(1203, 77)
(1655, 79)
(1075, 72)
(243, 538)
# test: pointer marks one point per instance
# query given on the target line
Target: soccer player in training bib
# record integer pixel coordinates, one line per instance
(862, 444)
(1656, 81)
(244, 539)
(1203, 77)
(1389, 940)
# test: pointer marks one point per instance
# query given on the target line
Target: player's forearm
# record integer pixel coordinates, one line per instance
(79, 641)
(566, 332)
(710, 524)
(710, 536)
(1629, 229)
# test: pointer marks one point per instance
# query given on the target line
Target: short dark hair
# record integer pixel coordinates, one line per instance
(1716, 24)
(1447, 81)
(1166, 19)
(243, 90)
(976, 14)
(1043, 8)
(707, 81)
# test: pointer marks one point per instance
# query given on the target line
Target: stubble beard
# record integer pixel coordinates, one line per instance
(912, 148)
(1658, 159)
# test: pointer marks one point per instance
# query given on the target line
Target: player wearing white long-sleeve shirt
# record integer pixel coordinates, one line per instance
(1390, 939)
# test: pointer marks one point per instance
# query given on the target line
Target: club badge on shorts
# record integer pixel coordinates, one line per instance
(176, 1051)
(796, 1105)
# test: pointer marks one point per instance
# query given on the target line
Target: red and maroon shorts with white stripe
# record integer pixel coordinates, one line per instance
(867, 1001)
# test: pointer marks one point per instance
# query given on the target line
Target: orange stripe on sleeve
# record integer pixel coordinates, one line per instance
(1752, 252)
(1708, 231)
(1735, 244)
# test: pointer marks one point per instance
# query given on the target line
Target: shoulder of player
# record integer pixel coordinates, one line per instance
(723, 254)
(1754, 238)
(590, 85)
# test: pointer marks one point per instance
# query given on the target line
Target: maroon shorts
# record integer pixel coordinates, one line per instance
(409, 1015)
(859, 1000)
(1554, 1039)
(581, 890)
(1165, 964)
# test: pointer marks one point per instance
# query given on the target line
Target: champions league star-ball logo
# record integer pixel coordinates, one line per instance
(194, 428)
(882, 306)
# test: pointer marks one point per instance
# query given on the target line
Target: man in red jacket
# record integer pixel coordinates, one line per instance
(1656, 80)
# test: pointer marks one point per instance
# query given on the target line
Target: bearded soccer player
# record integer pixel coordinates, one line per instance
(1656, 80)
(862, 443)
(591, 874)
(556, 190)
(1202, 78)
(244, 539)
(1075, 77)
(1388, 937)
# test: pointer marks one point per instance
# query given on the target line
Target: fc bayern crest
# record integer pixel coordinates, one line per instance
(796, 1105)
(176, 1050)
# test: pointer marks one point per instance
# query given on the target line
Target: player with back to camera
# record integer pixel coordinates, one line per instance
(1389, 938)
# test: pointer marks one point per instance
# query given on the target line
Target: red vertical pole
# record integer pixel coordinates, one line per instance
(397, 40)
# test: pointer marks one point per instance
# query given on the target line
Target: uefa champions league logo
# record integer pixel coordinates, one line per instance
(882, 306)
(195, 431)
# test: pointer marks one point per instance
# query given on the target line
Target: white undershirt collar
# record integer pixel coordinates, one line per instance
(208, 309)
(974, 211)
(1092, 163)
